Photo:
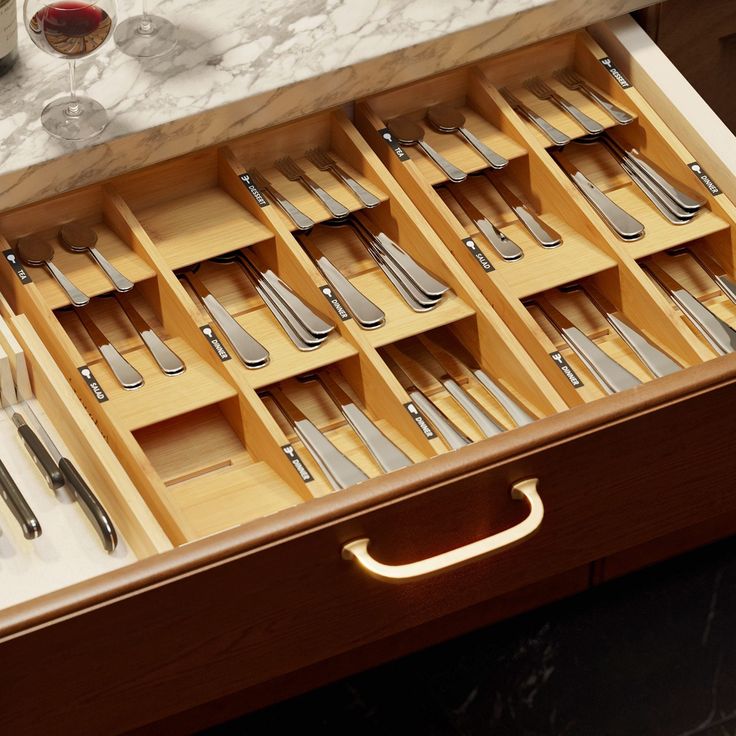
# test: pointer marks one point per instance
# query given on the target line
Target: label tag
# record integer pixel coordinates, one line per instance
(296, 461)
(421, 422)
(17, 266)
(253, 189)
(94, 387)
(215, 343)
(615, 73)
(478, 254)
(563, 365)
(707, 182)
(397, 149)
(334, 302)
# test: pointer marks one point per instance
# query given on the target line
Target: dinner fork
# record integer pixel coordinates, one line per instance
(536, 86)
(571, 80)
(324, 162)
(291, 170)
(555, 136)
(293, 213)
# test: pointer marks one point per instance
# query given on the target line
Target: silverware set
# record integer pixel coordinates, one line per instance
(417, 287)
(322, 160)
(443, 119)
(440, 357)
(57, 471)
(506, 248)
(609, 373)
(126, 374)
(718, 333)
(339, 470)
(304, 326)
(570, 79)
(36, 251)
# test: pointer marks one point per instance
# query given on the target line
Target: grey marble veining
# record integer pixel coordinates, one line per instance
(242, 66)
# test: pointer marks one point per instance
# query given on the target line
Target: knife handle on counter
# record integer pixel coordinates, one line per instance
(93, 509)
(18, 505)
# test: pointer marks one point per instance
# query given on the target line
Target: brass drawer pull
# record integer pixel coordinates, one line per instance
(524, 489)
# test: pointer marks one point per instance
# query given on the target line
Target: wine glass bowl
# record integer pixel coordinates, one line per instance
(71, 29)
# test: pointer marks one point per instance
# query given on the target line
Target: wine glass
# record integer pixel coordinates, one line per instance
(71, 29)
(145, 35)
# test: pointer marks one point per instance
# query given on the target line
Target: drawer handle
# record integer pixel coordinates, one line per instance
(524, 489)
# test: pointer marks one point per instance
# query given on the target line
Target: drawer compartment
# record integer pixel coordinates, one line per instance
(289, 602)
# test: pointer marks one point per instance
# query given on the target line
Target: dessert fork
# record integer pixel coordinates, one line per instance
(555, 136)
(292, 171)
(571, 80)
(324, 162)
(536, 86)
(293, 213)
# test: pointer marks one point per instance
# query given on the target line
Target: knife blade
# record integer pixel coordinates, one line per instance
(445, 427)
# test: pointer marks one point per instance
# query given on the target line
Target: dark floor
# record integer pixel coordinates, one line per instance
(652, 654)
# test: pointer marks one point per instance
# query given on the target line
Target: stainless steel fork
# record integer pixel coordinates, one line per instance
(324, 162)
(291, 170)
(293, 213)
(571, 80)
(536, 86)
(555, 136)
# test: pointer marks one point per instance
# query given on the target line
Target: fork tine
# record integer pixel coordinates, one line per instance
(319, 158)
(509, 96)
(538, 87)
(288, 167)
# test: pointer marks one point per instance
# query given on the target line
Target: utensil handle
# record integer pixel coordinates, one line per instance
(91, 505)
(302, 221)
(18, 505)
(516, 412)
(657, 361)
(336, 209)
(77, 297)
(247, 348)
(450, 170)
(620, 221)
(585, 121)
(477, 413)
(386, 453)
(526, 490)
(718, 333)
(553, 134)
(168, 361)
(41, 457)
(128, 377)
(683, 199)
(619, 115)
(367, 198)
(120, 282)
(342, 471)
(445, 427)
(494, 159)
(305, 314)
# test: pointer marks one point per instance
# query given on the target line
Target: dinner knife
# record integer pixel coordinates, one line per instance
(93, 509)
(387, 454)
(546, 236)
(714, 269)
(483, 420)
(612, 376)
(719, 334)
(445, 427)
(503, 245)
(656, 360)
(447, 341)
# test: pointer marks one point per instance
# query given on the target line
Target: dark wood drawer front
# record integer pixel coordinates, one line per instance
(282, 607)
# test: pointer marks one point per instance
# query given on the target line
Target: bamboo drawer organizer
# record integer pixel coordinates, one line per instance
(205, 451)
(590, 252)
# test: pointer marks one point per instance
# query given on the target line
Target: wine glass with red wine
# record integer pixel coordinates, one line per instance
(71, 29)
(145, 35)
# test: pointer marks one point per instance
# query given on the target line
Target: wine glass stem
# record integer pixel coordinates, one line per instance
(146, 25)
(72, 110)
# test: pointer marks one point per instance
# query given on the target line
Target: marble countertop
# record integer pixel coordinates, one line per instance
(240, 66)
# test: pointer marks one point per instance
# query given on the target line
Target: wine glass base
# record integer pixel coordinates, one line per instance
(90, 119)
(145, 36)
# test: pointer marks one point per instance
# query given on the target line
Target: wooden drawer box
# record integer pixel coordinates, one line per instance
(247, 571)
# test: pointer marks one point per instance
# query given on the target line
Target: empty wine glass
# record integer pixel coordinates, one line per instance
(145, 35)
(71, 29)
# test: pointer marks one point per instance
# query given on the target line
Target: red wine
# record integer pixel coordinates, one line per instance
(70, 28)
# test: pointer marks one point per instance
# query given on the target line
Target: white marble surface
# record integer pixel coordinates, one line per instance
(245, 65)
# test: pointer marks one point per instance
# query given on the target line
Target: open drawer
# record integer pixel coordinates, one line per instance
(272, 570)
